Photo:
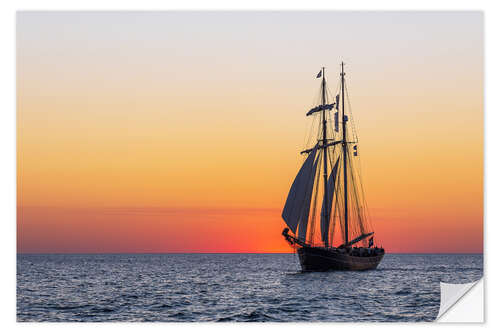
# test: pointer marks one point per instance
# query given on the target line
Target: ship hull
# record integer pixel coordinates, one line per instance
(323, 259)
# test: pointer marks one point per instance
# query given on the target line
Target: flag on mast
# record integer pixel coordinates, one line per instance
(319, 75)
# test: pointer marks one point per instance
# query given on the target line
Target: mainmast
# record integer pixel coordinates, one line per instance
(325, 152)
(344, 146)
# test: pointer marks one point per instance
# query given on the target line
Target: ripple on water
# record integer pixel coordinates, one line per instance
(231, 287)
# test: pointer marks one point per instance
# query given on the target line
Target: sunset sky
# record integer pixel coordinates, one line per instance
(180, 131)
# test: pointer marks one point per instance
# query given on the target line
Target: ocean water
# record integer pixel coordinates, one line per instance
(232, 287)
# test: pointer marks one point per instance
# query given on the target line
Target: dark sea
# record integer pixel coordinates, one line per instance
(232, 287)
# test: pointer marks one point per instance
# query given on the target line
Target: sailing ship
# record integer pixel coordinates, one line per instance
(331, 172)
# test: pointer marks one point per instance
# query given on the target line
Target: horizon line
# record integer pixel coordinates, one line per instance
(457, 253)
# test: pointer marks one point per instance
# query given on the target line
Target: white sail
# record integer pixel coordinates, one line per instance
(325, 218)
(304, 219)
(298, 197)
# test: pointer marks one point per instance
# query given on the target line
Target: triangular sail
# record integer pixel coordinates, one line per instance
(305, 214)
(299, 197)
(325, 217)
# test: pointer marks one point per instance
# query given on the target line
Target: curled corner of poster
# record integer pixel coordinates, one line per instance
(462, 303)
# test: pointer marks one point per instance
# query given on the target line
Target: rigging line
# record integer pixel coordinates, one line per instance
(318, 135)
(367, 208)
(356, 206)
(331, 220)
(363, 195)
(314, 120)
(356, 196)
(329, 114)
(340, 202)
(330, 126)
(332, 229)
(331, 155)
(360, 169)
(349, 108)
(336, 109)
(337, 90)
(312, 222)
(353, 180)
(338, 209)
(336, 205)
(317, 98)
(356, 225)
(310, 133)
(330, 167)
(360, 212)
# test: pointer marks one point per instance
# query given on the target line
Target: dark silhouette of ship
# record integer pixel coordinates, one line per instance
(331, 173)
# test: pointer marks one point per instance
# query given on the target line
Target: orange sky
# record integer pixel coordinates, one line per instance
(146, 132)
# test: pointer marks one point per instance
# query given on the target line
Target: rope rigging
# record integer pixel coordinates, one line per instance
(359, 221)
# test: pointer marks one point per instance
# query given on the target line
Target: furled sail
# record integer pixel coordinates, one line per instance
(360, 238)
(320, 108)
(325, 217)
(299, 197)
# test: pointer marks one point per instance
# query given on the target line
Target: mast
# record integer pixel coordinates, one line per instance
(344, 146)
(325, 152)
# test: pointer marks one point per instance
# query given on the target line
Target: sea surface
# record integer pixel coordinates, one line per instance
(232, 287)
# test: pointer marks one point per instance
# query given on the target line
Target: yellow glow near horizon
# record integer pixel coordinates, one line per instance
(196, 119)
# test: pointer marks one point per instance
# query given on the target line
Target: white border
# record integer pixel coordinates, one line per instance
(7, 164)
